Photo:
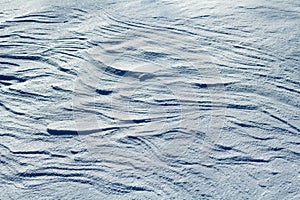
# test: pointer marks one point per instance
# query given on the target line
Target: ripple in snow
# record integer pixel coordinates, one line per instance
(74, 128)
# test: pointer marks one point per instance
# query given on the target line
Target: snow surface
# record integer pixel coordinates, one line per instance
(149, 99)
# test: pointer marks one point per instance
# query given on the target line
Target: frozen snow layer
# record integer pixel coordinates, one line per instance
(149, 99)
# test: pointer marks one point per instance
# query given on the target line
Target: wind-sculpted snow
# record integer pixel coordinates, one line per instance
(149, 99)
